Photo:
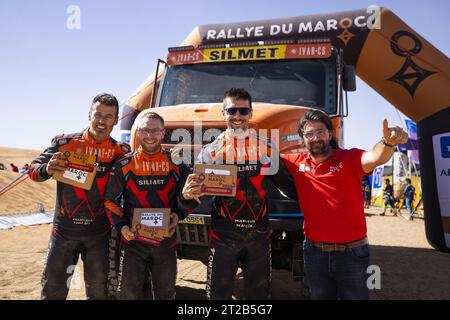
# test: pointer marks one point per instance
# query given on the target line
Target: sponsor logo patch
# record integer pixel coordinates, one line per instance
(445, 147)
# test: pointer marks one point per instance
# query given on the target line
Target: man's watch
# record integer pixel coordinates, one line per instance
(383, 140)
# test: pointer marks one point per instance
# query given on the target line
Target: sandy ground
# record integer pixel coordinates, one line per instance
(26, 196)
(17, 156)
(410, 268)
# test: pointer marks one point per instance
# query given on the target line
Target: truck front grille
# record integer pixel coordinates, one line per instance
(194, 234)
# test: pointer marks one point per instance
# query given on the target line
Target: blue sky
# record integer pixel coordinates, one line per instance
(49, 74)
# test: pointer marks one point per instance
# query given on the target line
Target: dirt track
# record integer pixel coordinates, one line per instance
(410, 268)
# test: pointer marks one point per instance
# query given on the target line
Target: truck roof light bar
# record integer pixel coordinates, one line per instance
(245, 44)
(212, 46)
(184, 48)
(314, 40)
(276, 42)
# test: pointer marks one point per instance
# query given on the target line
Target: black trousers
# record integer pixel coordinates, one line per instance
(61, 260)
(227, 252)
(137, 260)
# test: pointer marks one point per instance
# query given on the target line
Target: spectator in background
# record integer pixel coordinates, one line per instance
(2, 167)
(388, 196)
(367, 195)
(24, 168)
(14, 168)
(409, 194)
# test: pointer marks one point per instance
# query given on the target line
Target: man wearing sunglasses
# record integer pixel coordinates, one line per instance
(328, 182)
(147, 178)
(240, 234)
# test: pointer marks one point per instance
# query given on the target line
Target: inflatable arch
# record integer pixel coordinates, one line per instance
(390, 57)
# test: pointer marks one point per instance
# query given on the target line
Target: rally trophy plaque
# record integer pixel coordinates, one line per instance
(218, 180)
(80, 171)
(151, 223)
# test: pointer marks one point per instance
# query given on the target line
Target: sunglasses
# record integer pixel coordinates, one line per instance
(242, 111)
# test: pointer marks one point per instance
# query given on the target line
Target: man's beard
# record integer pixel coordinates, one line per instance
(151, 150)
(238, 133)
(319, 148)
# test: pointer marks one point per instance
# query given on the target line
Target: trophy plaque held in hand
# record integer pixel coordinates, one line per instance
(218, 180)
(151, 223)
(80, 171)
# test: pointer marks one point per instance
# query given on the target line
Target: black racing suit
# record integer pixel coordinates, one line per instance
(80, 226)
(240, 234)
(141, 180)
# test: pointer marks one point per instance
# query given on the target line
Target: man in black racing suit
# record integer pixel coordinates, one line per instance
(80, 226)
(240, 234)
(147, 178)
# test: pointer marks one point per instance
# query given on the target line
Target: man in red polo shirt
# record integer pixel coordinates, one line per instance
(328, 183)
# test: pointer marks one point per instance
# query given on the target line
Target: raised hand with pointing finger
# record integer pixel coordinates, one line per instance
(383, 150)
(394, 135)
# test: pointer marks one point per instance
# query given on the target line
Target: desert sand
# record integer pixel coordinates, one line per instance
(17, 156)
(410, 267)
(26, 196)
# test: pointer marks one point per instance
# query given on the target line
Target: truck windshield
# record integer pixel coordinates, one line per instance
(308, 83)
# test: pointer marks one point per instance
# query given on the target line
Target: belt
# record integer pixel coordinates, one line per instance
(327, 246)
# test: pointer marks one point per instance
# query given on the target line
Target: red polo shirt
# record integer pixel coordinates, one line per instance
(330, 195)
